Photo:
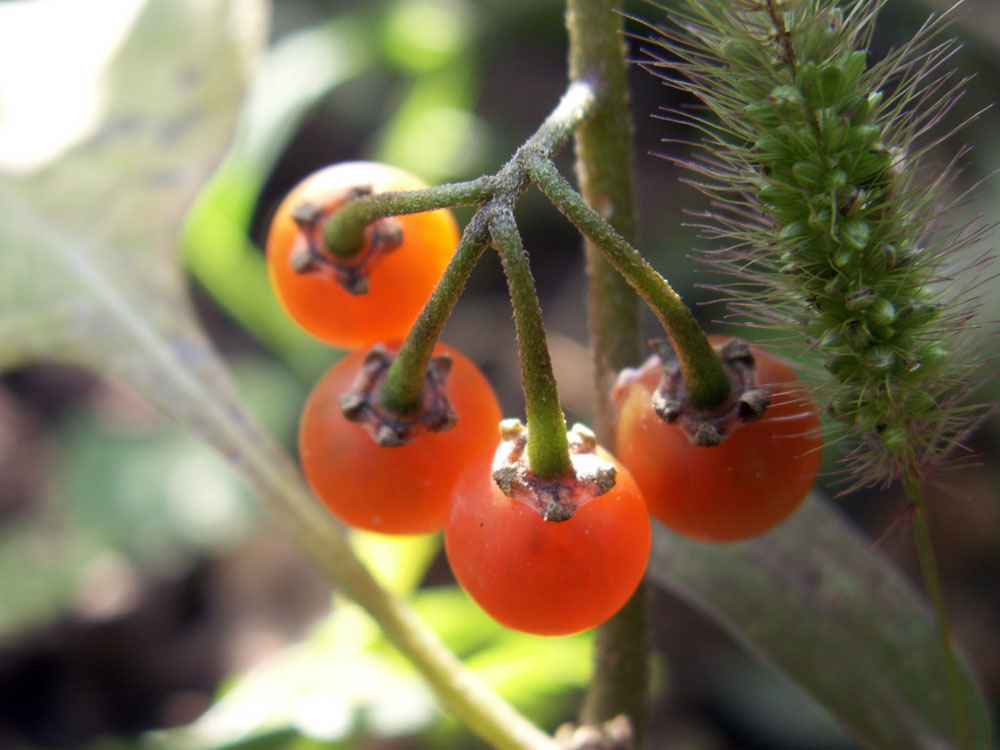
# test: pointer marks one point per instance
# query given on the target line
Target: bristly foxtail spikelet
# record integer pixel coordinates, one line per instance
(832, 223)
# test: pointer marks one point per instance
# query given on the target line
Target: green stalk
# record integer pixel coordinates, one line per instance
(701, 367)
(932, 583)
(344, 233)
(604, 166)
(402, 391)
(404, 382)
(548, 444)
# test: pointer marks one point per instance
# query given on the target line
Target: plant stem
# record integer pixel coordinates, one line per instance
(604, 160)
(402, 391)
(604, 166)
(404, 382)
(344, 233)
(701, 368)
(932, 583)
(548, 444)
(345, 229)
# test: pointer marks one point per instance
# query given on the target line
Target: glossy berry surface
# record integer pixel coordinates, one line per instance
(402, 489)
(750, 483)
(399, 282)
(547, 577)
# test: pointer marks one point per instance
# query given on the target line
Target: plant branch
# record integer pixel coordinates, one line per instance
(548, 443)
(932, 583)
(604, 159)
(404, 382)
(344, 232)
(701, 367)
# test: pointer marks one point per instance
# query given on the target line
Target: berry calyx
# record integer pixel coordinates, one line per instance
(746, 402)
(362, 406)
(555, 499)
(349, 269)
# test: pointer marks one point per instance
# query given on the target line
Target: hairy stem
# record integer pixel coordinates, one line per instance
(604, 159)
(402, 391)
(703, 372)
(404, 382)
(548, 444)
(932, 583)
(344, 232)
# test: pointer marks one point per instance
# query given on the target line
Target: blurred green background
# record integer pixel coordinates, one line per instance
(138, 581)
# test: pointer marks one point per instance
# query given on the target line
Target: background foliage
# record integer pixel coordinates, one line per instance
(139, 581)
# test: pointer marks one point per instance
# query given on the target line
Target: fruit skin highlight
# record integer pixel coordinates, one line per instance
(741, 488)
(398, 282)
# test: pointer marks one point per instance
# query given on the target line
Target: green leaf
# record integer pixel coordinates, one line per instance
(814, 599)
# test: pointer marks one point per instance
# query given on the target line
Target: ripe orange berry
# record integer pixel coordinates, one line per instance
(746, 485)
(398, 281)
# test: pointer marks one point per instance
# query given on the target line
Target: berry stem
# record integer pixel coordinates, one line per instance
(403, 387)
(344, 233)
(932, 583)
(703, 373)
(548, 445)
(402, 391)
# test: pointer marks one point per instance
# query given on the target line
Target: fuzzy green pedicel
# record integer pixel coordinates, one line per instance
(827, 209)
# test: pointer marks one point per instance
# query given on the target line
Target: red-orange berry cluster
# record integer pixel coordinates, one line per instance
(544, 555)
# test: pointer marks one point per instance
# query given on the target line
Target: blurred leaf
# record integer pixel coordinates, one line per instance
(87, 249)
(327, 689)
(815, 600)
(398, 562)
(434, 132)
(166, 499)
(290, 79)
(422, 35)
(87, 271)
(49, 552)
(345, 681)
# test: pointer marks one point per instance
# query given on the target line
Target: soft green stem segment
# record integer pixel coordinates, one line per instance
(932, 583)
(403, 387)
(402, 391)
(548, 444)
(703, 373)
(344, 233)
(604, 166)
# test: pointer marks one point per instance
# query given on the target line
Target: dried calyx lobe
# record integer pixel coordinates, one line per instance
(388, 428)
(558, 498)
(671, 399)
(351, 272)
